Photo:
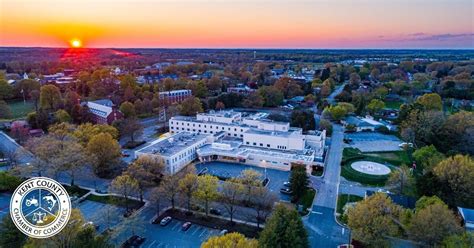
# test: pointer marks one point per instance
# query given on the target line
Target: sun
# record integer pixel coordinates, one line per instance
(76, 43)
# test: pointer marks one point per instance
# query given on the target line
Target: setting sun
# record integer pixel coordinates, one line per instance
(76, 43)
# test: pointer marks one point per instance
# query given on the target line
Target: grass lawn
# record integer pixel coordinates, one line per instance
(396, 158)
(341, 202)
(393, 105)
(115, 200)
(307, 199)
(75, 190)
(20, 109)
(352, 175)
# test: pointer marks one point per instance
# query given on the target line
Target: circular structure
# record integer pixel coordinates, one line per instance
(40, 207)
(371, 168)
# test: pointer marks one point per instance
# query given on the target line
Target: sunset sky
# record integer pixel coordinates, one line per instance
(239, 23)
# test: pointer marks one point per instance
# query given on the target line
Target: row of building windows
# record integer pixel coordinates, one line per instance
(205, 126)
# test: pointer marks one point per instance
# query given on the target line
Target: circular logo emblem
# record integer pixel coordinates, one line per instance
(40, 207)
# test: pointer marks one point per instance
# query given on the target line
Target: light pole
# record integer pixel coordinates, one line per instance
(264, 163)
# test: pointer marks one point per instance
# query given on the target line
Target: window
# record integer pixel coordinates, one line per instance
(248, 143)
(254, 143)
(261, 144)
(268, 145)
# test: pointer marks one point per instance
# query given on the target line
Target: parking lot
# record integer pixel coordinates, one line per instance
(171, 235)
(374, 142)
(4, 204)
(224, 169)
(104, 215)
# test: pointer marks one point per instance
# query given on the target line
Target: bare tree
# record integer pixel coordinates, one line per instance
(262, 201)
(230, 196)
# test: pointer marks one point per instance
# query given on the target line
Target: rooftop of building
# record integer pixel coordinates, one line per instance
(173, 144)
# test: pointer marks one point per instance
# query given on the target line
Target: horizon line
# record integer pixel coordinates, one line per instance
(246, 48)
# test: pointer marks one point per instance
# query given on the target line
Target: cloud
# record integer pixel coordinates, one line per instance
(447, 36)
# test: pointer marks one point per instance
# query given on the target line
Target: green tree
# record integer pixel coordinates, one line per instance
(188, 187)
(84, 133)
(207, 190)
(337, 112)
(10, 236)
(105, 152)
(50, 97)
(126, 186)
(250, 178)
(230, 240)
(190, 106)
(284, 228)
(457, 173)
(347, 106)
(62, 116)
(433, 223)
(375, 105)
(464, 240)
(6, 90)
(427, 157)
(8, 182)
(127, 109)
(325, 125)
(299, 181)
(5, 112)
(374, 218)
(431, 101)
(271, 96)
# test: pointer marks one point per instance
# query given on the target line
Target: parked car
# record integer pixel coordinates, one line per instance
(134, 241)
(186, 226)
(165, 221)
(125, 154)
(286, 191)
(215, 211)
(223, 232)
(287, 184)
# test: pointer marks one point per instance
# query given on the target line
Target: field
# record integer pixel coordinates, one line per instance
(20, 110)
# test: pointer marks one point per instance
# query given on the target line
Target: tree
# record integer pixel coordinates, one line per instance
(261, 201)
(105, 152)
(5, 112)
(126, 186)
(375, 106)
(230, 196)
(84, 133)
(190, 106)
(250, 178)
(284, 228)
(8, 182)
(433, 223)
(207, 190)
(188, 187)
(62, 116)
(6, 90)
(147, 171)
(127, 109)
(169, 188)
(456, 133)
(130, 128)
(427, 157)
(347, 106)
(44, 149)
(457, 173)
(424, 126)
(220, 106)
(374, 218)
(271, 96)
(431, 101)
(299, 181)
(337, 112)
(464, 240)
(400, 179)
(50, 97)
(253, 100)
(325, 125)
(10, 235)
(231, 240)
(303, 119)
(70, 157)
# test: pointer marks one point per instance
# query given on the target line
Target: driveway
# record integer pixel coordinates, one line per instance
(321, 224)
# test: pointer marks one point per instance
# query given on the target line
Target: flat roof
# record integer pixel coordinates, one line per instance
(173, 144)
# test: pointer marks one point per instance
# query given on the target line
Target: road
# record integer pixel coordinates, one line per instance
(321, 224)
(331, 98)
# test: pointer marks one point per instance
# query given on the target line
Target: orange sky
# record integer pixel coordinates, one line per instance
(239, 23)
